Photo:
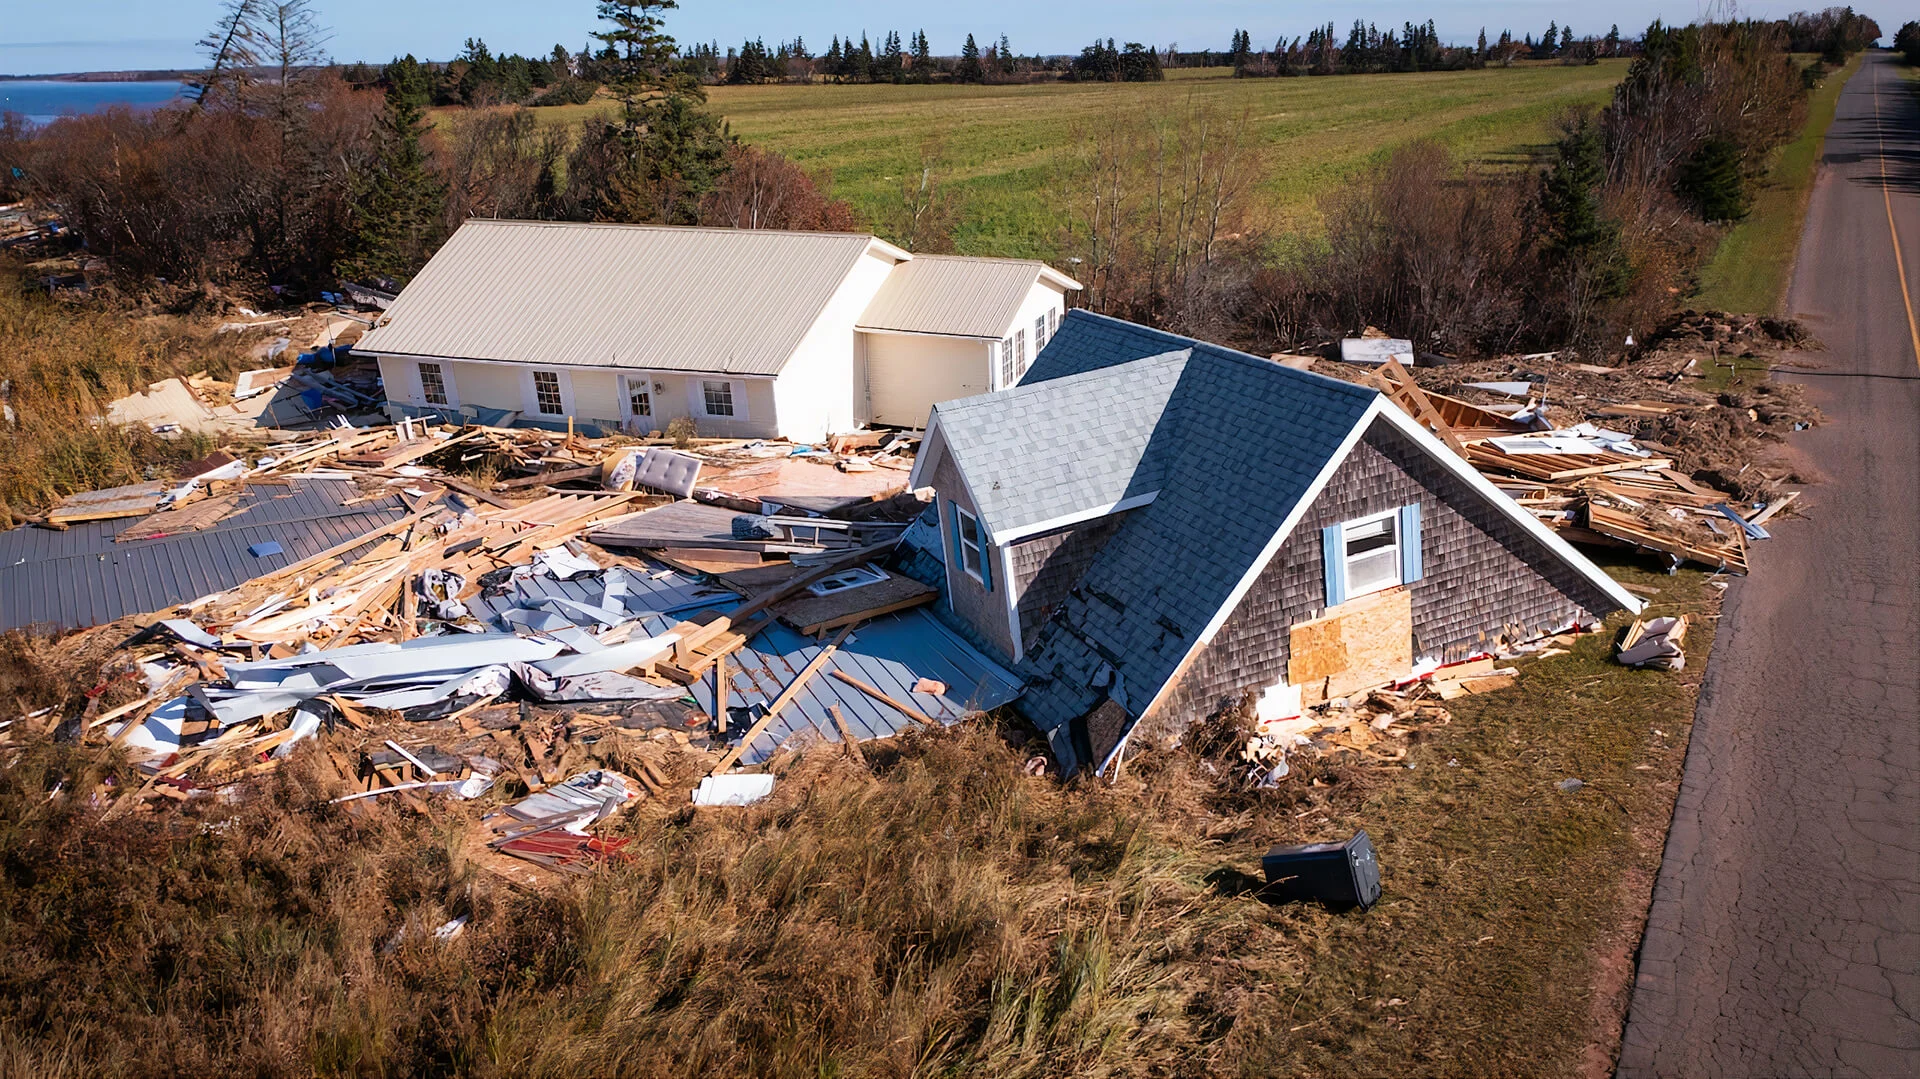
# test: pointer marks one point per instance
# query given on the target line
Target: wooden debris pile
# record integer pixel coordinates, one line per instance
(1591, 485)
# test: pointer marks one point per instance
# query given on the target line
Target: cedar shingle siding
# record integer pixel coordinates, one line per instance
(1482, 576)
(983, 612)
(1048, 566)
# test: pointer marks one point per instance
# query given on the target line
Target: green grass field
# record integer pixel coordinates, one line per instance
(1750, 269)
(1006, 144)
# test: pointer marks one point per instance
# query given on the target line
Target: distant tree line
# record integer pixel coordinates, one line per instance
(1907, 42)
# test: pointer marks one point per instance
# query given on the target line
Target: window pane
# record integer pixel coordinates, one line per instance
(1371, 536)
(641, 402)
(1373, 571)
(1020, 351)
(719, 398)
(432, 384)
(1039, 334)
(1007, 371)
(969, 541)
(546, 393)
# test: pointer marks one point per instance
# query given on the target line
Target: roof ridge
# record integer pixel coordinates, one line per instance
(1000, 398)
(643, 226)
(1226, 353)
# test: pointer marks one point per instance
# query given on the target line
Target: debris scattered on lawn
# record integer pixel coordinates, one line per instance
(1656, 642)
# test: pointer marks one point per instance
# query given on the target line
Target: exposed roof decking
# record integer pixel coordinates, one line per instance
(956, 296)
(732, 301)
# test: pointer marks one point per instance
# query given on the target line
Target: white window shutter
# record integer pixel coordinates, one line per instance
(1410, 562)
(1333, 550)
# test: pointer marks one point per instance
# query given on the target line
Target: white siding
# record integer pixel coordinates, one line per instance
(907, 374)
(815, 393)
(1041, 299)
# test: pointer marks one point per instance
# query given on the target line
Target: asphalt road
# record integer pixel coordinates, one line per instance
(1784, 938)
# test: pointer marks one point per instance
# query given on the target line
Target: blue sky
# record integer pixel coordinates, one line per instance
(45, 36)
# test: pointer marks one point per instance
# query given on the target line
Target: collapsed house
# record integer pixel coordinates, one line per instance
(746, 332)
(1150, 527)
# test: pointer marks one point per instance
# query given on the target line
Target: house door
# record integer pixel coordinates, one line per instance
(637, 404)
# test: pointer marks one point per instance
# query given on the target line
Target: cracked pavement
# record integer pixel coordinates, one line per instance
(1784, 936)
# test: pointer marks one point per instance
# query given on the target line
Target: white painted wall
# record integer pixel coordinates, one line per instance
(1041, 299)
(815, 394)
(909, 373)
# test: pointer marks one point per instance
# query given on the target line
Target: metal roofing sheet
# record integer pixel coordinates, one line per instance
(82, 577)
(947, 294)
(890, 653)
(736, 301)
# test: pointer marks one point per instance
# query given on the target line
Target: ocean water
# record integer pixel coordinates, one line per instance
(45, 100)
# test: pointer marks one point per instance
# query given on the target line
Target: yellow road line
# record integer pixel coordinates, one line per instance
(1886, 195)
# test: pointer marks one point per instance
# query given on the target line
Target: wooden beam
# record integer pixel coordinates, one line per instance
(786, 697)
(899, 706)
(846, 734)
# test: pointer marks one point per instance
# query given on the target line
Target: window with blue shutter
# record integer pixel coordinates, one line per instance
(1411, 568)
(1333, 548)
(970, 546)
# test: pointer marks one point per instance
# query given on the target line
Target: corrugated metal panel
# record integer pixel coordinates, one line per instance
(82, 577)
(890, 653)
(646, 296)
(963, 297)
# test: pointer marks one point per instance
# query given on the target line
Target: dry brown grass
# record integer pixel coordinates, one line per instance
(66, 361)
(952, 916)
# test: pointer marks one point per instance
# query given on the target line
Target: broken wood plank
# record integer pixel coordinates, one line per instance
(846, 735)
(904, 709)
(786, 697)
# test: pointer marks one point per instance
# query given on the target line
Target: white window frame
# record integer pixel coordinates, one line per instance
(1392, 518)
(530, 388)
(1039, 334)
(978, 548)
(444, 370)
(736, 394)
(1020, 353)
(1008, 373)
(1053, 321)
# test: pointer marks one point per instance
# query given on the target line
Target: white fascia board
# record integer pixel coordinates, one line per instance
(875, 245)
(1503, 502)
(924, 333)
(1012, 601)
(1014, 535)
(1057, 279)
(914, 480)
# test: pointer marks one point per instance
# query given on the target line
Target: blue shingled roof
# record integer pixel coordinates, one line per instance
(1234, 445)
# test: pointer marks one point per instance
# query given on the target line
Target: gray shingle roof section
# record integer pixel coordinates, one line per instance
(1042, 451)
(954, 295)
(734, 301)
(1234, 449)
(83, 577)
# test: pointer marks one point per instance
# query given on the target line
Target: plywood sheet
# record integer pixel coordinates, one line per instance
(1362, 643)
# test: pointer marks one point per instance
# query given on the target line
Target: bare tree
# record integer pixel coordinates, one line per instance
(924, 218)
(233, 51)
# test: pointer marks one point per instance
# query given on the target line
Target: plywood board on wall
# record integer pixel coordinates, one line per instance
(1362, 643)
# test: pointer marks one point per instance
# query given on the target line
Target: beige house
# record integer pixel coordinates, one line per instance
(752, 333)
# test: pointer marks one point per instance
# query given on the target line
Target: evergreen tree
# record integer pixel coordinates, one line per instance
(1575, 227)
(922, 57)
(1242, 51)
(1713, 181)
(410, 80)
(670, 149)
(397, 213)
(1613, 40)
(1553, 36)
(1566, 39)
(1480, 49)
(832, 63)
(1005, 56)
(969, 69)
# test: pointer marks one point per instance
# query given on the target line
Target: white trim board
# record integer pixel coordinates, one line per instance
(1018, 533)
(431, 357)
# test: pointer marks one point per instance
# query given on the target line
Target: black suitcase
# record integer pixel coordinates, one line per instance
(1339, 874)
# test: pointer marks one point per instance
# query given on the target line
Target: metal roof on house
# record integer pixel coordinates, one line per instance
(83, 576)
(655, 297)
(958, 296)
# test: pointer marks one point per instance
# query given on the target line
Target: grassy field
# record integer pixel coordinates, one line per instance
(1005, 144)
(1750, 270)
(947, 915)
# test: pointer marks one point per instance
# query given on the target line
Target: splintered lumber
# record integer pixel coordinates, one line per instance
(1626, 527)
(846, 734)
(560, 475)
(1399, 387)
(786, 697)
(1772, 508)
(688, 665)
(811, 614)
(1554, 467)
(899, 706)
(136, 500)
